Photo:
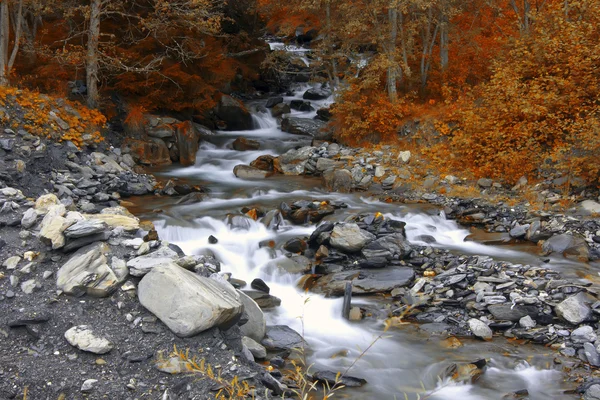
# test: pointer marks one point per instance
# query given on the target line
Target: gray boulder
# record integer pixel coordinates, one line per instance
(567, 245)
(293, 161)
(140, 266)
(306, 127)
(575, 309)
(338, 180)
(234, 114)
(316, 94)
(256, 326)
(281, 338)
(188, 303)
(87, 271)
(349, 238)
(382, 281)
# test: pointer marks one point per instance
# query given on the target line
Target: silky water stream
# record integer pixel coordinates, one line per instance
(405, 361)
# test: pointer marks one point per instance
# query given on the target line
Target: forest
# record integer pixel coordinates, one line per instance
(497, 88)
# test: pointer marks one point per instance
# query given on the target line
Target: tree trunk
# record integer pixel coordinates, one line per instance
(428, 42)
(91, 67)
(335, 82)
(392, 67)
(444, 38)
(4, 33)
(18, 30)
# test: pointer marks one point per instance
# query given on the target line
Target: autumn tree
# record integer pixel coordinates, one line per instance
(10, 13)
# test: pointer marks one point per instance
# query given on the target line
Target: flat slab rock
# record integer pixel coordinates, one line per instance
(140, 266)
(330, 378)
(282, 337)
(188, 303)
(384, 280)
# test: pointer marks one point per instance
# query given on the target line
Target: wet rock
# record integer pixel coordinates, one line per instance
(87, 271)
(273, 101)
(260, 285)
(140, 266)
(300, 105)
(332, 379)
(280, 109)
(244, 144)
(382, 281)
(508, 312)
(188, 139)
(152, 151)
(306, 127)
(575, 309)
(272, 219)
(233, 113)
(350, 238)
(316, 94)
(236, 221)
(264, 300)
(295, 264)
(85, 339)
(246, 172)
(282, 337)
(567, 245)
(188, 303)
(264, 163)
(255, 327)
(338, 180)
(387, 247)
(293, 161)
(480, 329)
(295, 245)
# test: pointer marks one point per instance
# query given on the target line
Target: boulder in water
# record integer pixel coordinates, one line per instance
(273, 101)
(233, 113)
(246, 172)
(349, 238)
(306, 127)
(243, 144)
(188, 140)
(280, 109)
(316, 94)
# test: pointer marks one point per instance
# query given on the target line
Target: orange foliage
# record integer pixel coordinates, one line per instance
(51, 117)
(540, 108)
(362, 116)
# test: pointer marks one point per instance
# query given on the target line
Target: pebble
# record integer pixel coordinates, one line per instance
(88, 385)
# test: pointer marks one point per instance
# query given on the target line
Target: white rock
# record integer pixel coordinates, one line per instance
(404, 156)
(480, 329)
(527, 322)
(29, 218)
(88, 385)
(45, 202)
(350, 238)
(84, 339)
(256, 326)
(11, 262)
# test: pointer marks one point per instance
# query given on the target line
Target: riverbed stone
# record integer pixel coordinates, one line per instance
(84, 338)
(188, 303)
(257, 349)
(52, 227)
(235, 115)
(480, 329)
(247, 172)
(282, 338)
(140, 266)
(88, 272)
(510, 312)
(575, 309)
(338, 180)
(256, 325)
(349, 238)
(306, 127)
(382, 280)
(128, 223)
(583, 334)
(592, 393)
(85, 228)
(568, 245)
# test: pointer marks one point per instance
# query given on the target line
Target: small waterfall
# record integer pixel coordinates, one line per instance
(264, 121)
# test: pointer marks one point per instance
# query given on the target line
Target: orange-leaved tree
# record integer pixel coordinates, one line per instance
(540, 108)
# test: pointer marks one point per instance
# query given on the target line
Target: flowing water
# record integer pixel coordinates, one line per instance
(405, 361)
